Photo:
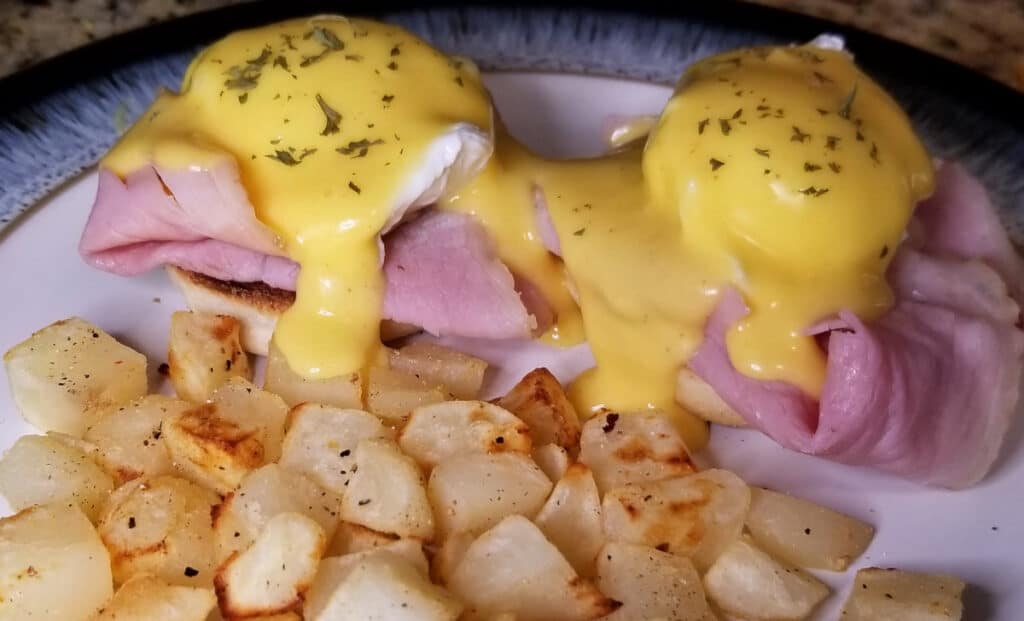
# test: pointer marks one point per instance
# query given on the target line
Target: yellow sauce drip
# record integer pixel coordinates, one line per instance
(794, 176)
(622, 256)
(268, 96)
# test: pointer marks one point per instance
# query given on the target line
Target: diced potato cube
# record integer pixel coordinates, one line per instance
(274, 573)
(460, 374)
(698, 397)
(264, 493)
(65, 374)
(377, 585)
(651, 584)
(130, 437)
(803, 533)
(345, 391)
(321, 443)
(392, 394)
(43, 551)
(696, 516)
(203, 352)
(552, 459)
(160, 526)
(540, 401)
(352, 538)
(42, 469)
(896, 595)
(387, 492)
(207, 448)
(512, 568)
(571, 519)
(748, 583)
(245, 405)
(145, 598)
(411, 550)
(449, 555)
(471, 493)
(633, 448)
(436, 432)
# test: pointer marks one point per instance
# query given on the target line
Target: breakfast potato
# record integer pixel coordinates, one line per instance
(161, 526)
(892, 594)
(632, 448)
(273, 574)
(42, 469)
(746, 582)
(698, 397)
(379, 584)
(651, 584)
(263, 494)
(321, 442)
(65, 374)
(449, 555)
(540, 401)
(207, 448)
(513, 568)
(392, 394)
(471, 493)
(344, 391)
(351, 538)
(146, 598)
(43, 551)
(410, 550)
(436, 432)
(803, 533)
(460, 374)
(204, 351)
(571, 519)
(130, 437)
(246, 405)
(387, 492)
(697, 516)
(552, 459)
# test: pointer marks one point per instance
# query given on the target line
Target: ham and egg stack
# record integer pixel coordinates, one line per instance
(770, 236)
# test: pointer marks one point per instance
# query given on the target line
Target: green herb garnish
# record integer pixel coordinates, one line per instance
(333, 118)
(358, 148)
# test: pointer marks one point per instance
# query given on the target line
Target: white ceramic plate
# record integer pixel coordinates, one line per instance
(977, 534)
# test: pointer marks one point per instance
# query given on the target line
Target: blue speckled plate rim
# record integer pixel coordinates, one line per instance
(59, 117)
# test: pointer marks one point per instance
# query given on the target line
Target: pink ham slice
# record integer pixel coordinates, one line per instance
(927, 391)
(441, 270)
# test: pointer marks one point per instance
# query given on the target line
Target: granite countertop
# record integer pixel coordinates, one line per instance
(987, 35)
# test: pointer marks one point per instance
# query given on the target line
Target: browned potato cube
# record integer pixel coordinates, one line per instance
(211, 450)
(161, 526)
(204, 351)
(540, 401)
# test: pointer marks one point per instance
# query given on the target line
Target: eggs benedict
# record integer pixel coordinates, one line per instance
(333, 131)
(319, 177)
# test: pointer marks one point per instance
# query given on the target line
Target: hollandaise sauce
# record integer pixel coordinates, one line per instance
(793, 176)
(329, 121)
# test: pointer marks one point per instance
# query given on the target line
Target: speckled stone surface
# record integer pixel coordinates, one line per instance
(987, 35)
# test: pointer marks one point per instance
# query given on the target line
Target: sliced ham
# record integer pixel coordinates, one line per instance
(928, 390)
(443, 275)
(441, 270)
